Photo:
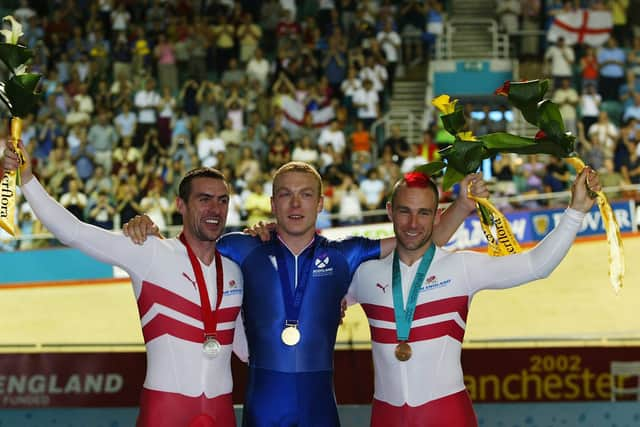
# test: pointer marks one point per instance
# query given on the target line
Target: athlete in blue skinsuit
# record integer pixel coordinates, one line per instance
(291, 384)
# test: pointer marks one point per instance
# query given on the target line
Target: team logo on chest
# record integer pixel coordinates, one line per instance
(322, 265)
(432, 282)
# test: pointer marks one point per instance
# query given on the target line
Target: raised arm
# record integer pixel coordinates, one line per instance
(105, 246)
(486, 272)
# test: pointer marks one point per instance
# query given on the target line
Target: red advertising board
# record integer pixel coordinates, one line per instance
(491, 375)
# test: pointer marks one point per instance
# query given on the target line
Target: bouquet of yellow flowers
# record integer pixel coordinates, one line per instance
(20, 96)
(466, 153)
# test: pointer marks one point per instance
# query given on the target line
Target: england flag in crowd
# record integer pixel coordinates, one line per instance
(583, 26)
(295, 111)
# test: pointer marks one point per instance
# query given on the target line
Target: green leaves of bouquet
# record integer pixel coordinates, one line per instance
(466, 153)
(19, 92)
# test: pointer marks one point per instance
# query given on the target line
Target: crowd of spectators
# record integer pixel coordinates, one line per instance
(136, 93)
(596, 88)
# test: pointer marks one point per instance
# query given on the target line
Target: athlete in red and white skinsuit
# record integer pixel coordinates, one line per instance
(428, 389)
(183, 386)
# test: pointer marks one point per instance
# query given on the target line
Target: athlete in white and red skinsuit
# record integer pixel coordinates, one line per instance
(183, 386)
(428, 389)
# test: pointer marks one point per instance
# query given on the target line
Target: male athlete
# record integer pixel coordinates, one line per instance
(417, 326)
(293, 287)
(188, 297)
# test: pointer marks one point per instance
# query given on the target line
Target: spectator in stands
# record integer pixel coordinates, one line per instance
(75, 116)
(533, 172)
(197, 43)
(304, 151)
(624, 146)
(560, 58)
(634, 166)
(391, 44)
(122, 56)
(125, 122)
(611, 60)
(208, 101)
(606, 132)
(361, 142)
(367, 102)
(567, 99)
(74, 200)
(164, 52)
(349, 200)
(633, 62)
(103, 138)
(610, 178)
(257, 203)
(98, 182)
(411, 21)
(146, 102)
(232, 138)
(232, 75)
(127, 157)
(398, 145)
(334, 64)
(333, 135)
(589, 105)
(248, 168)
(590, 149)
(224, 36)
(128, 201)
(156, 205)
(103, 212)
(589, 67)
(373, 188)
(208, 145)
(414, 159)
(279, 153)
(249, 36)
(258, 68)
(632, 111)
(428, 147)
(509, 12)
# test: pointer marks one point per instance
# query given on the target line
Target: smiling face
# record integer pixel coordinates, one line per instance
(204, 212)
(414, 212)
(295, 203)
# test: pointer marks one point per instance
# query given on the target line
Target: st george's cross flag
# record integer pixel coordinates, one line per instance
(583, 26)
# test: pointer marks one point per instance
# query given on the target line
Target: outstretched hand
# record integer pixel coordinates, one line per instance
(139, 228)
(261, 229)
(582, 190)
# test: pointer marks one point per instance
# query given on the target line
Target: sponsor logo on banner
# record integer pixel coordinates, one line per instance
(71, 379)
(540, 224)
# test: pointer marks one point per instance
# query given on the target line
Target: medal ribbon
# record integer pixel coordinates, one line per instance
(209, 317)
(404, 316)
(292, 299)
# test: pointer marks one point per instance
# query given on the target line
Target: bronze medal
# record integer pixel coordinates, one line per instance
(403, 351)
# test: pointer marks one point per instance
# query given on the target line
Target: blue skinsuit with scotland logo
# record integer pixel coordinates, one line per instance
(293, 385)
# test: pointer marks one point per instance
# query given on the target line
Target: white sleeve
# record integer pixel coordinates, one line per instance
(351, 296)
(101, 244)
(487, 272)
(240, 346)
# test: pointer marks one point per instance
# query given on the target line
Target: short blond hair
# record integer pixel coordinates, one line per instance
(299, 167)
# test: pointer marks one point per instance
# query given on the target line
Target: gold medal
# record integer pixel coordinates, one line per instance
(211, 347)
(403, 351)
(290, 335)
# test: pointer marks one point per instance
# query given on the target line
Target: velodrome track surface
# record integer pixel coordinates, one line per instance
(574, 306)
